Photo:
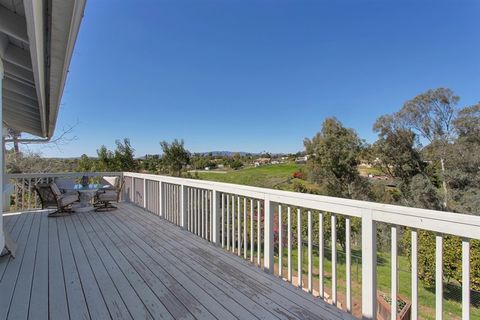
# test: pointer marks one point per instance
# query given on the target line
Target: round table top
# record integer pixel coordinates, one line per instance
(89, 188)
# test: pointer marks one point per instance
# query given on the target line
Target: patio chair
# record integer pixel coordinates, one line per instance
(66, 185)
(109, 193)
(51, 197)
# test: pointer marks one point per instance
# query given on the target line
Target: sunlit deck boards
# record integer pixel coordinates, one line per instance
(129, 264)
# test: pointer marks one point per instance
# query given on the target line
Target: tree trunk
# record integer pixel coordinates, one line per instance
(444, 184)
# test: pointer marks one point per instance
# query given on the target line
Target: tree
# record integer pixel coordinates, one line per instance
(467, 123)
(175, 156)
(463, 162)
(400, 158)
(201, 162)
(105, 159)
(432, 114)
(122, 159)
(124, 156)
(334, 157)
(14, 135)
(236, 164)
(85, 164)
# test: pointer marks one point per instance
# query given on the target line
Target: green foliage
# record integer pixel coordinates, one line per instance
(430, 114)
(452, 258)
(463, 162)
(202, 162)
(397, 150)
(334, 157)
(236, 164)
(85, 164)
(124, 156)
(121, 159)
(424, 194)
(175, 156)
(26, 162)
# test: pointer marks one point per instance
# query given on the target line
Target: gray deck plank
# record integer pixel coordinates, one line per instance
(299, 302)
(158, 297)
(113, 301)
(10, 221)
(133, 303)
(258, 305)
(154, 258)
(14, 234)
(95, 302)
(267, 296)
(57, 298)
(7, 285)
(38, 308)
(77, 304)
(198, 309)
(148, 297)
(23, 285)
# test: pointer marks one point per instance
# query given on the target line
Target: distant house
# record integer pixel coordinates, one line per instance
(301, 160)
(261, 161)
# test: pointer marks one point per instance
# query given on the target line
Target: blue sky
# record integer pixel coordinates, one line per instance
(258, 75)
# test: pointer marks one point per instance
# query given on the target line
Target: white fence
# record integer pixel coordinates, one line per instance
(242, 219)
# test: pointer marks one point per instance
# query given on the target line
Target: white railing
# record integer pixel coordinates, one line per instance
(242, 219)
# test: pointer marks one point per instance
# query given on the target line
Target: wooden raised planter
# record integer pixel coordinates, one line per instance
(384, 308)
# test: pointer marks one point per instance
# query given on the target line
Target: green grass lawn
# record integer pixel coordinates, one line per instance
(268, 176)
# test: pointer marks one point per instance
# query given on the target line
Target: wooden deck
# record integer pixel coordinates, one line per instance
(130, 264)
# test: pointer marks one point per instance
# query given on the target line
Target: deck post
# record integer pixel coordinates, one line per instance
(134, 196)
(183, 207)
(369, 266)
(160, 198)
(145, 193)
(216, 218)
(268, 259)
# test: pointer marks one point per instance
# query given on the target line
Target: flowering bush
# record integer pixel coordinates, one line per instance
(299, 175)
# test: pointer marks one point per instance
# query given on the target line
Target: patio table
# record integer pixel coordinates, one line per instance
(86, 194)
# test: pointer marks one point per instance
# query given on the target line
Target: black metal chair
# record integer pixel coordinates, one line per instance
(51, 197)
(111, 193)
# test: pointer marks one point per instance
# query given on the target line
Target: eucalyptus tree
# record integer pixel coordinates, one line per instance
(431, 114)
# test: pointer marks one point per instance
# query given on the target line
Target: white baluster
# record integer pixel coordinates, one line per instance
(394, 267)
(465, 279)
(334, 258)
(258, 232)
(280, 244)
(320, 255)
(414, 275)
(289, 243)
(438, 277)
(310, 256)
(300, 254)
(244, 228)
(251, 231)
(349, 263)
